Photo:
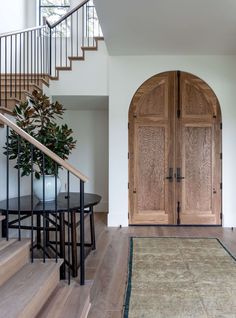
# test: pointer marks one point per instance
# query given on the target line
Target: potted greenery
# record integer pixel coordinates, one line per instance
(38, 117)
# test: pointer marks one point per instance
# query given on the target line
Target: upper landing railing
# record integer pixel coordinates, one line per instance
(28, 56)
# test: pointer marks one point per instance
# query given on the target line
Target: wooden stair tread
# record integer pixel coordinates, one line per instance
(23, 295)
(4, 243)
(13, 256)
(70, 301)
(12, 249)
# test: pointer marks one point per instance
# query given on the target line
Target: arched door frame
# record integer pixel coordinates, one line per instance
(134, 114)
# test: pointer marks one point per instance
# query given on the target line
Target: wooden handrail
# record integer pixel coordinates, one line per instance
(43, 148)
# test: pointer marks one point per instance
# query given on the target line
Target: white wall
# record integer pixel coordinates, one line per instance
(90, 129)
(126, 74)
(12, 15)
(88, 77)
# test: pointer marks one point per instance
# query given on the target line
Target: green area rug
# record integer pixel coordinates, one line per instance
(180, 277)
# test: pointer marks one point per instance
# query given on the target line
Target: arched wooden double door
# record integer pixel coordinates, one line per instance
(175, 152)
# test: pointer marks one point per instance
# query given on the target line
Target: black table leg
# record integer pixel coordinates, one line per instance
(92, 229)
(62, 244)
(74, 245)
(47, 228)
(38, 230)
(4, 228)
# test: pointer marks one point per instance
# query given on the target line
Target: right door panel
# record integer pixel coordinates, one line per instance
(198, 166)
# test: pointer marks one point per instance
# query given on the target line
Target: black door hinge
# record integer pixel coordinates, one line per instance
(221, 215)
(220, 125)
(221, 156)
(178, 213)
(221, 186)
(178, 113)
(128, 155)
(128, 185)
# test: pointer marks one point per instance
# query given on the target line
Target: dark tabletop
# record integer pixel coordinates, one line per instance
(90, 199)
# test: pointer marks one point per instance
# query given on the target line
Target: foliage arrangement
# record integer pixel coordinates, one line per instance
(38, 117)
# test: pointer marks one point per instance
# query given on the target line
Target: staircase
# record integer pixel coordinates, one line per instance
(29, 60)
(24, 286)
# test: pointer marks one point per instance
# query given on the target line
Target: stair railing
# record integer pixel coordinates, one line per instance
(34, 55)
(54, 216)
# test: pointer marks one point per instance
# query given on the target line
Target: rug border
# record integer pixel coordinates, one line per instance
(130, 263)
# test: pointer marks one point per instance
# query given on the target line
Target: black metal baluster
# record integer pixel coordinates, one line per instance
(38, 58)
(56, 168)
(83, 26)
(35, 36)
(7, 187)
(45, 52)
(27, 60)
(66, 42)
(16, 65)
(93, 27)
(82, 254)
(87, 23)
(77, 33)
(61, 44)
(24, 59)
(55, 35)
(69, 224)
(6, 78)
(10, 66)
(44, 219)
(18, 181)
(41, 54)
(20, 64)
(31, 55)
(32, 201)
(71, 35)
(50, 51)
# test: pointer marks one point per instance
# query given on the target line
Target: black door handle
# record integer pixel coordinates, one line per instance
(178, 175)
(170, 177)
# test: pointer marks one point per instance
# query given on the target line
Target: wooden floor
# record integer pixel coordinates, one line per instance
(107, 266)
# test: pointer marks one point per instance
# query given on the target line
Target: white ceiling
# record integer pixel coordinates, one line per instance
(139, 27)
(82, 102)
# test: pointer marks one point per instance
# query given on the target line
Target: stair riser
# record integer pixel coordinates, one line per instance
(11, 103)
(14, 264)
(17, 87)
(13, 96)
(33, 308)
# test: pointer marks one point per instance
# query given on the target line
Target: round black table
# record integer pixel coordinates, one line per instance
(22, 207)
(90, 200)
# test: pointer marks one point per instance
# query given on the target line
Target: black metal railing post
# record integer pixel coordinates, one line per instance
(7, 187)
(44, 218)
(19, 189)
(68, 226)
(32, 201)
(82, 252)
(50, 51)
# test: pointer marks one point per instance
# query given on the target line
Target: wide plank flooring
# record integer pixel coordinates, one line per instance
(107, 266)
